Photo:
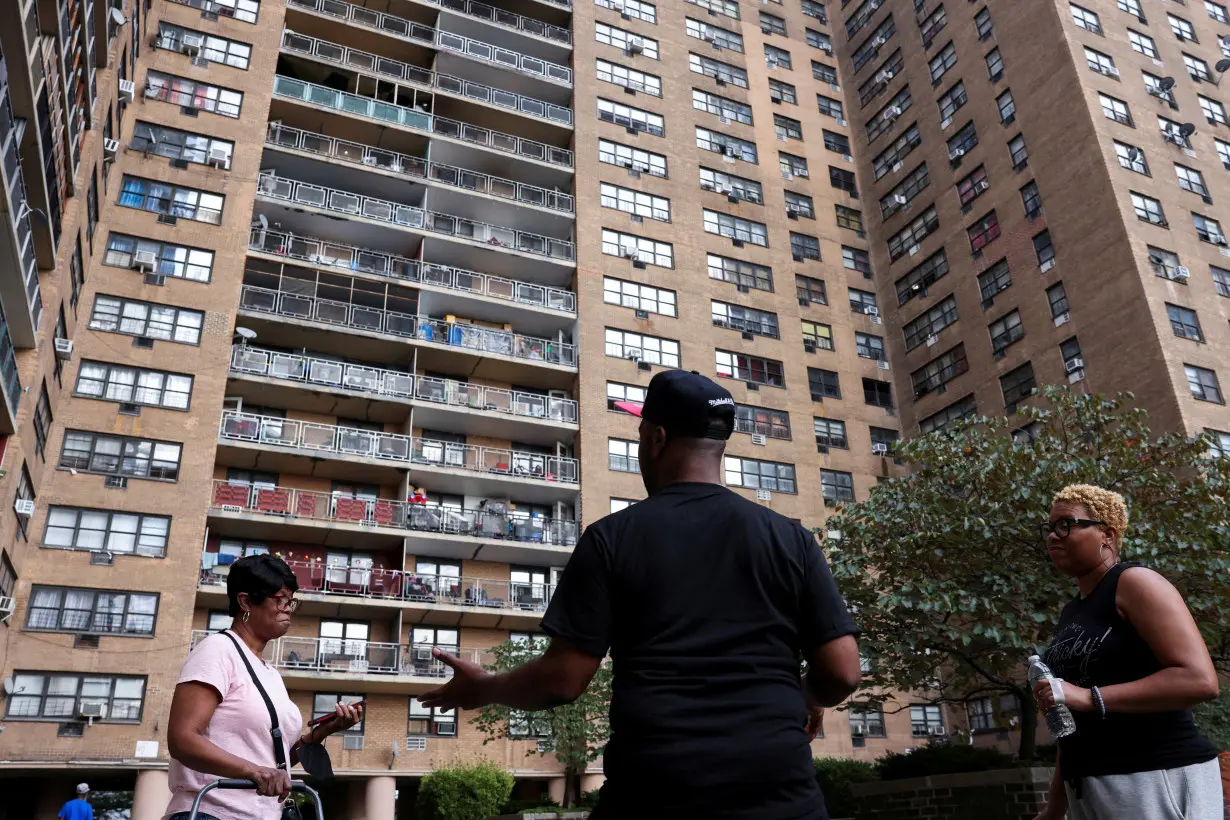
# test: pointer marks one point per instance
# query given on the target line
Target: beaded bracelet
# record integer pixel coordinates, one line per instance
(1097, 699)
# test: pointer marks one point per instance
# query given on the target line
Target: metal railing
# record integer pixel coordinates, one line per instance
(327, 254)
(377, 584)
(395, 447)
(377, 381)
(386, 68)
(507, 19)
(489, 522)
(410, 30)
(407, 326)
(417, 167)
(420, 121)
(410, 216)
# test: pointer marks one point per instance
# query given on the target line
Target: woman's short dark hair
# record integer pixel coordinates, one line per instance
(260, 576)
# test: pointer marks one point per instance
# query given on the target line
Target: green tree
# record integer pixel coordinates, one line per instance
(464, 791)
(946, 569)
(575, 733)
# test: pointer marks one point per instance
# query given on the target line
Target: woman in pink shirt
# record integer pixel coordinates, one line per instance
(220, 726)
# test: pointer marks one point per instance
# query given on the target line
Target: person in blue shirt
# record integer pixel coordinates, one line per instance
(78, 809)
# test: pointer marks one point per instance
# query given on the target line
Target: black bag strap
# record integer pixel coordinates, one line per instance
(279, 749)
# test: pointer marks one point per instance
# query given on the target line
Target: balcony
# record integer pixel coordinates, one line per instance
(509, 20)
(406, 166)
(358, 391)
(481, 603)
(389, 70)
(347, 453)
(493, 533)
(416, 120)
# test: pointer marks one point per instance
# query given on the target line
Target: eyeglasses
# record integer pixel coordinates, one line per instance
(1062, 527)
(285, 604)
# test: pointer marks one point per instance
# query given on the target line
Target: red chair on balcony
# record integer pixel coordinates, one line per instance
(275, 501)
(231, 495)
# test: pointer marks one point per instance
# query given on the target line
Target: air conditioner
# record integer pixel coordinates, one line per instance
(802, 172)
(92, 709)
(628, 253)
(64, 349)
(932, 339)
(7, 605)
(956, 153)
(884, 76)
(24, 507)
(191, 44)
(981, 185)
(1182, 272)
(759, 439)
(633, 353)
(635, 47)
(871, 310)
(127, 91)
(110, 148)
(879, 41)
(899, 200)
(764, 495)
(1063, 318)
(882, 364)
(1073, 365)
(144, 260)
(1112, 71)
(879, 449)
(352, 743)
(220, 158)
(1047, 265)
(892, 112)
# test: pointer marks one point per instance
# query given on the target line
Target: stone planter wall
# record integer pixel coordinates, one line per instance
(1008, 794)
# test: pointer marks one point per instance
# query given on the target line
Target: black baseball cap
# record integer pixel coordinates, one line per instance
(686, 404)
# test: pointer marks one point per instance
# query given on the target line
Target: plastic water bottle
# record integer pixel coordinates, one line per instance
(1058, 717)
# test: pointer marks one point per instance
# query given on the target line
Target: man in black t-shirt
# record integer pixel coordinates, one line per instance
(705, 601)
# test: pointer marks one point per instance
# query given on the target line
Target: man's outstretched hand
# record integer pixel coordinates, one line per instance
(466, 690)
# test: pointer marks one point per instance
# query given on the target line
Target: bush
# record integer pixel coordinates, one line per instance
(472, 791)
(835, 776)
(521, 805)
(947, 759)
(589, 800)
(1213, 719)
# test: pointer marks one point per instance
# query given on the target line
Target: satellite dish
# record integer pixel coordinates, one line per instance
(1186, 130)
(118, 17)
(1133, 154)
(245, 333)
(8, 686)
(1166, 83)
(1222, 66)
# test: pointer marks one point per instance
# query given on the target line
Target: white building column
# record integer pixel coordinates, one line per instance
(555, 789)
(380, 801)
(150, 795)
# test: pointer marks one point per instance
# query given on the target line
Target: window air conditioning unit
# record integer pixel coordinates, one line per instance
(24, 507)
(352, 743)
(956, 153)
(128, 91)
(871, 310)
(91, 709)
(879, 449)
(7, 605)
(759, 439)
(628, 253)
(1182, 272)
(156, 279)
(981, 185)
(899, 201)
(879, 41)
(764, 495)
(932, 339)
(1073, 365)
(802, 172)
(892, 112)
(219, 158)
(191, 44)
(64, 349)
(635, 47)
(144, 260)
(884, 76)
(110, 148)
(882, 364)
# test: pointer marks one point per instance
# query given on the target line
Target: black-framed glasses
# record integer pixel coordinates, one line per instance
(1062, 527)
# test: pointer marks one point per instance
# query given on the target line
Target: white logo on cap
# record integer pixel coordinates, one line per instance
(720, 402)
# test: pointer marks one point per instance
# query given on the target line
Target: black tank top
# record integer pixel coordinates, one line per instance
(1094, 646)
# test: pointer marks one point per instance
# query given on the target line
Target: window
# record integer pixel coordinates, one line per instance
(1115, 109)
(620, 39)
(1221, 280)
(723, 72)
(752, 369)
(617, 391)
(1133, 159)
(1070, 351)
(622, 455)
(740, 273)
(1219, 446)
(245, 10)
(172, 260)
(843, 180)
(939, 371)
(863, 301)
(624, 345)
(625, 156)
(1182, 28)
(882, 121)
(775, 57)
(737, 228)
(8, 576)
(1018, 152)
(817, 334)
(855, 259)
(727, 146)
(878, 82)
(1017, 385)
(24, 492)
(91, 611)
(730, 8)
(1148, 209)
(120, 456)
(860, 17)
(800, 205)
(877, 393)
(1184, 322)
(932, 24)
(982, 22)
(820, 40)
(907, 240)
(633, 118)
(1006, 331)
(813, 9)
(983, 232)
(882, 435)
(926, 721)
(75, 528)
(633, 202)
(783, 91)
(1007, 108)
(1209, 230)
(1165, 263)
(191, 94)
(961, 143)
(952, 100)
(921, 277)
(1086, 19)
(1101, 63)
(803, 246)
(866, 721)
(722, 107)
(42, 422)
(791, 129)
(849, 219)
(1058, 298)
(981, 714)
(869, 347)
(929, 323)
(1217, 11)
(1031, 199)
(1044, 250)
(92, 207)
(640, 249)
(1191, 180)
(995, 65)
(824, 73)
(1203, 384)
(810, 290)
(830, 107)
(748, 320)
(824, 384)
(759, 475)
(1214, 111)
(720, 37)
(146, 319)
(1143, 43)
(59, 697)
(326, 704)
(772, 24)
(628, 77)
(836, 486)
(637, 296)
(973, 185)
(1132, 7)
(133, 385)
(1197, 69)
(791, 165)
(870, 47)
(890, 158)
(959, 409)
(433, 721)
(638, 10)
(619, 504)
(942, 62)
(762, 421)
(993, 280)
(171, 200)
(831, 433)
(213, 48)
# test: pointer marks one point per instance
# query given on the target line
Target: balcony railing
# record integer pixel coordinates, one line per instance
(409, 216)
(419, 121)
(377, 381)
(409, 30)
(417, 168)
(388, 69)
(491, 522)
(407, 326)
(508, 19)
(395, 448)
(324, 253)
(377, 584)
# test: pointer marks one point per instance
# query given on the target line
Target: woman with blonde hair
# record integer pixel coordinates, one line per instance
(1132, 664)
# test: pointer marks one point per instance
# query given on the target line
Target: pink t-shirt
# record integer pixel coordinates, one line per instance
(240, 725)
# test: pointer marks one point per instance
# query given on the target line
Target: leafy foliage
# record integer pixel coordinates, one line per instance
(951, 583)
(111, 805)
(1213, 718)
(575, 733)
(468, 791)
(941, 759)
(836, 775)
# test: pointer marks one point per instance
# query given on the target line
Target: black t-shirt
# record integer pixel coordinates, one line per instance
(705, 601)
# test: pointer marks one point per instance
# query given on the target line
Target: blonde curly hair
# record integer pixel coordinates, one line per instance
(1102, 504)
